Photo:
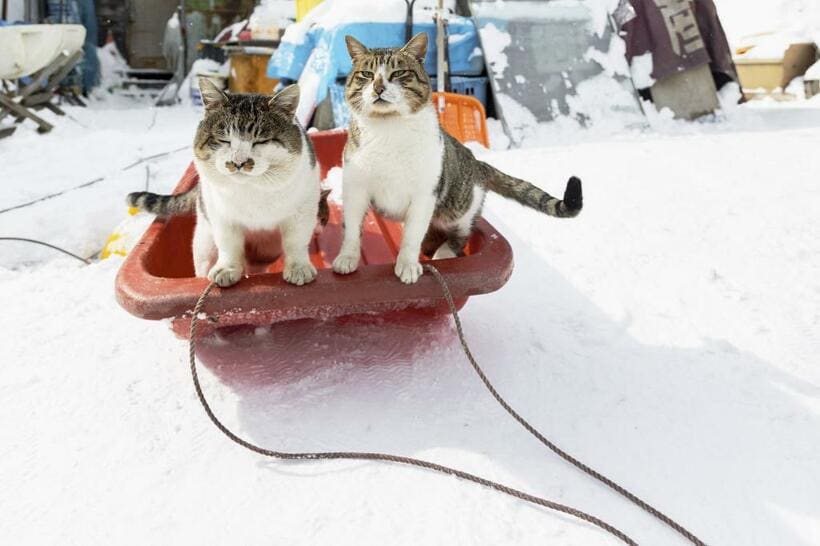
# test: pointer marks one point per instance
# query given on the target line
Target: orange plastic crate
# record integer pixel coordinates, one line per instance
(463, 118)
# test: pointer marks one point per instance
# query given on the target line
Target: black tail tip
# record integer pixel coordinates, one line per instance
(573, 195)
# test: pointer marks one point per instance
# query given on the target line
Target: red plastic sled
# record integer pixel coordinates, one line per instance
(156, 280)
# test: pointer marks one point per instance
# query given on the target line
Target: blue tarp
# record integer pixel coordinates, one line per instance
(324, 53)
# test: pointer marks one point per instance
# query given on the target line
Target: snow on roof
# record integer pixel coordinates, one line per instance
(331, 13)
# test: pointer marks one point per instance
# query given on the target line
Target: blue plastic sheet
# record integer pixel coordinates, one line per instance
(324, 53)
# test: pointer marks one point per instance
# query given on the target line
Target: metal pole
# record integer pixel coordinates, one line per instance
(408, 26)
(441, 61)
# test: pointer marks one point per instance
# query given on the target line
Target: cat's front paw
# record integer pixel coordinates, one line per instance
(345, 264)
(299, 273)
(225, 275)
(408, 271)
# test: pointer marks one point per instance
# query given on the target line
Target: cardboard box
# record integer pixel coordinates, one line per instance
(248, 73)
(771, 74)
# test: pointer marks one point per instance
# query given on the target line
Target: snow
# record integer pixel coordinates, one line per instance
(495, 41)
(112, 66)
(94, 142)
(743, 20)
(813, 73)
(641, 70)
(271, 15)
(668, 337)
(332, 13)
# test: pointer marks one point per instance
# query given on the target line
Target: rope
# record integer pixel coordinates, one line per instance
(383, 457)
(501, 488)
(49, 245)
(541, 438)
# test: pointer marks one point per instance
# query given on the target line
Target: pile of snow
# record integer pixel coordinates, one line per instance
(772, 46)
(743, 20)
(112, 66)
(269, 16)
(813, 73)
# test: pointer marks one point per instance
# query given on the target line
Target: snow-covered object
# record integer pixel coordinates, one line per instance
(314, 51)
(555, 61)
(112, 66)
(745, 20)
(332, 13)
(172, 45)
(126, 235)
(231, 32)
(218, 73)
(209, 66)
(269, 16)
(771, 46)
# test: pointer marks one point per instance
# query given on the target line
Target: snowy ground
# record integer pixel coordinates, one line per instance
(668, 337)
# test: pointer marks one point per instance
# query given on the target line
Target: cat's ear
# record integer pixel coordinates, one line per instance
(417, 46)
(287, 99)
(212, 96)
(355, 47)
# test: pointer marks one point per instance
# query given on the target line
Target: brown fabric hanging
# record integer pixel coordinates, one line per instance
(680, 34)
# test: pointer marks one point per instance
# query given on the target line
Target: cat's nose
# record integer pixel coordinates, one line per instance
(237, 165)
(378, 86)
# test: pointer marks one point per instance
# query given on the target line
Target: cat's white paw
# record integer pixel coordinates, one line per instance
(345, 263)
(299, 273)
(408, 271)
(225, 275)
(201, 268)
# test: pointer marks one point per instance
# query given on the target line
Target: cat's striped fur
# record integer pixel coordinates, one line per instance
(400, 161)
(164, 205)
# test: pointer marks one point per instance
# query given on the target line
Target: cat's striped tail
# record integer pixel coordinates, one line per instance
(164, 205)
(534, 197)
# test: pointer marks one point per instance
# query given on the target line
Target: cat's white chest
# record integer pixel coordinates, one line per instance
(397, 161)
(255, 206)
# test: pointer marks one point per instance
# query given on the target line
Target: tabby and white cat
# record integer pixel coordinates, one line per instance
(257, 172)
(398, 160)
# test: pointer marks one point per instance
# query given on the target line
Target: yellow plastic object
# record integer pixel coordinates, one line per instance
(304, 6)
(113, 246)
(125, 235)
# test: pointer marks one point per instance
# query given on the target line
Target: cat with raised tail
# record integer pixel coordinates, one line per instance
(257, 173)
(399, 161)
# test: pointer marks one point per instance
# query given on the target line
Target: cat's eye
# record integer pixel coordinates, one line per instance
(366, 74)
(223, 141)
(399, 73)
(266, 141)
